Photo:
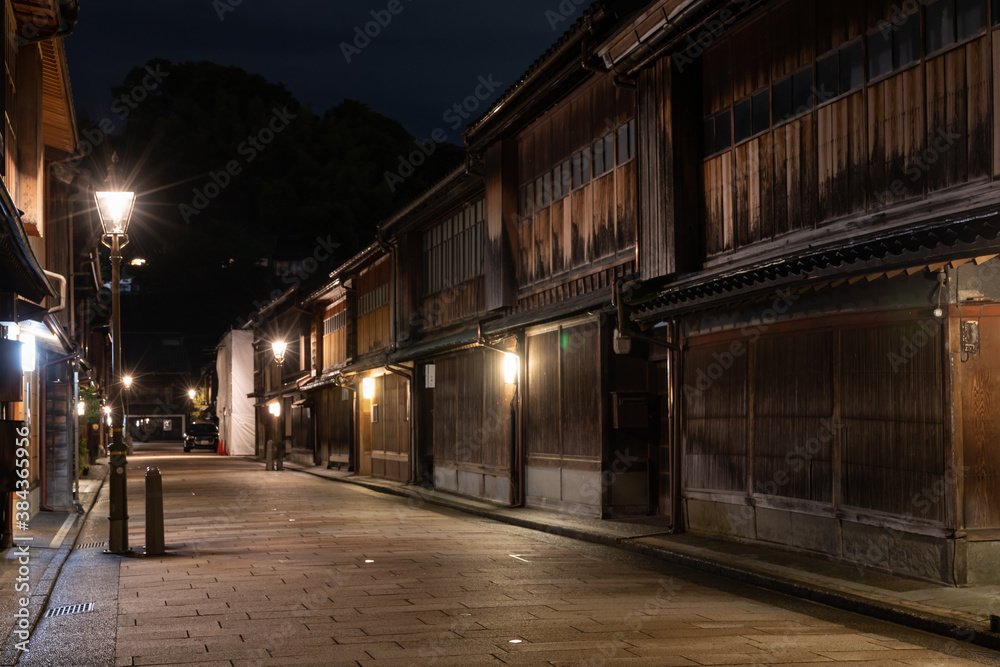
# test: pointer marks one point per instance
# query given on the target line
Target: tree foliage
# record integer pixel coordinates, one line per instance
(232, 172)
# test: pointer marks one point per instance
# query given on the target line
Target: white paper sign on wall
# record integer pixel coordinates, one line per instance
(430, 376)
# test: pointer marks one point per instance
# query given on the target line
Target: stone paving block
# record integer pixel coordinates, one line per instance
(250, 587)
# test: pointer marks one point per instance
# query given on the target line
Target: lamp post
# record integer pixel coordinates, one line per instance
(127, 385)
(115, 209)
(278, 348)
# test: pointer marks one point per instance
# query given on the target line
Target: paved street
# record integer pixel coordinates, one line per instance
(283, 568)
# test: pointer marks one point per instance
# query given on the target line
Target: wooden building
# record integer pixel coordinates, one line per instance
(42, 219)
(360, 400)
(730, 263)
(818, 228)
(463, 434)
(558, 157)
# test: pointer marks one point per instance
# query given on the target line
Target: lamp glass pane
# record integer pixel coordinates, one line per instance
(115, 209)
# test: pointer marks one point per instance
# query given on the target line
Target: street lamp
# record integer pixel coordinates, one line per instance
(192, 393)
(278, 348)
(115, 209)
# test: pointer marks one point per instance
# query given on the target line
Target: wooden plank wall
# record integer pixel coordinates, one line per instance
(471, 420)
(454, 303)
(595, 222)
(978, 388)
(793, 411)
(501, 225)
(334, 345)
(855, 154)
(892, 418)
(715, 409)
(375, 328)
(391, 433)
(883, 408)
(334, 410)
(563, 411)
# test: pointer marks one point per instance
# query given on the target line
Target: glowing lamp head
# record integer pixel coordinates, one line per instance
(274, 408)
(107, 410)
(191, 394)
(81, 407)
(127, 381)
(279, 347)
(368, 388)
(115, 209)
(29, 355)
(510, 364)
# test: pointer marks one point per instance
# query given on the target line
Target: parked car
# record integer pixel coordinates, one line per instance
(202, 434)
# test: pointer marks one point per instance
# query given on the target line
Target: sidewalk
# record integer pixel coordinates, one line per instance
(959, 613)
(49, 542)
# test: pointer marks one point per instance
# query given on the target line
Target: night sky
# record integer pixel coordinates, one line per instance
(428, 56)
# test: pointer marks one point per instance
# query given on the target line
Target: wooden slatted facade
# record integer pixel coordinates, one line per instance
(854, 139)
(577, 186)
(332, 329)
(374, 304)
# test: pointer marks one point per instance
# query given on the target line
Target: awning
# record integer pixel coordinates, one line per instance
(596, 300)
(20, 271)
(889, 253)
(435, 346)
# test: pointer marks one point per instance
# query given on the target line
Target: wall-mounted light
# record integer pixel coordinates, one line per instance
(81, 407)
(510, 364)
(28, 354)
(368, 388)
(274, 409)
(127, 381)
(192, 393)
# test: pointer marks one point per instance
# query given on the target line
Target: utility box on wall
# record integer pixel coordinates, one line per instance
(629, 410)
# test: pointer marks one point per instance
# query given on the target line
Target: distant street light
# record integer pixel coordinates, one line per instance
(115, 209)
(192, 393)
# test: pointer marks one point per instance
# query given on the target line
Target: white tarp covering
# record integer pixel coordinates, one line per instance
(234, 410)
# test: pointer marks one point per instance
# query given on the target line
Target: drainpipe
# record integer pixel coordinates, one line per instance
(43, 413)
(61, 279)
(624, 332)
(676, 407)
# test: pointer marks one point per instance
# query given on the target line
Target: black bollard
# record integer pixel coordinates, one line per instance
(154, 512)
